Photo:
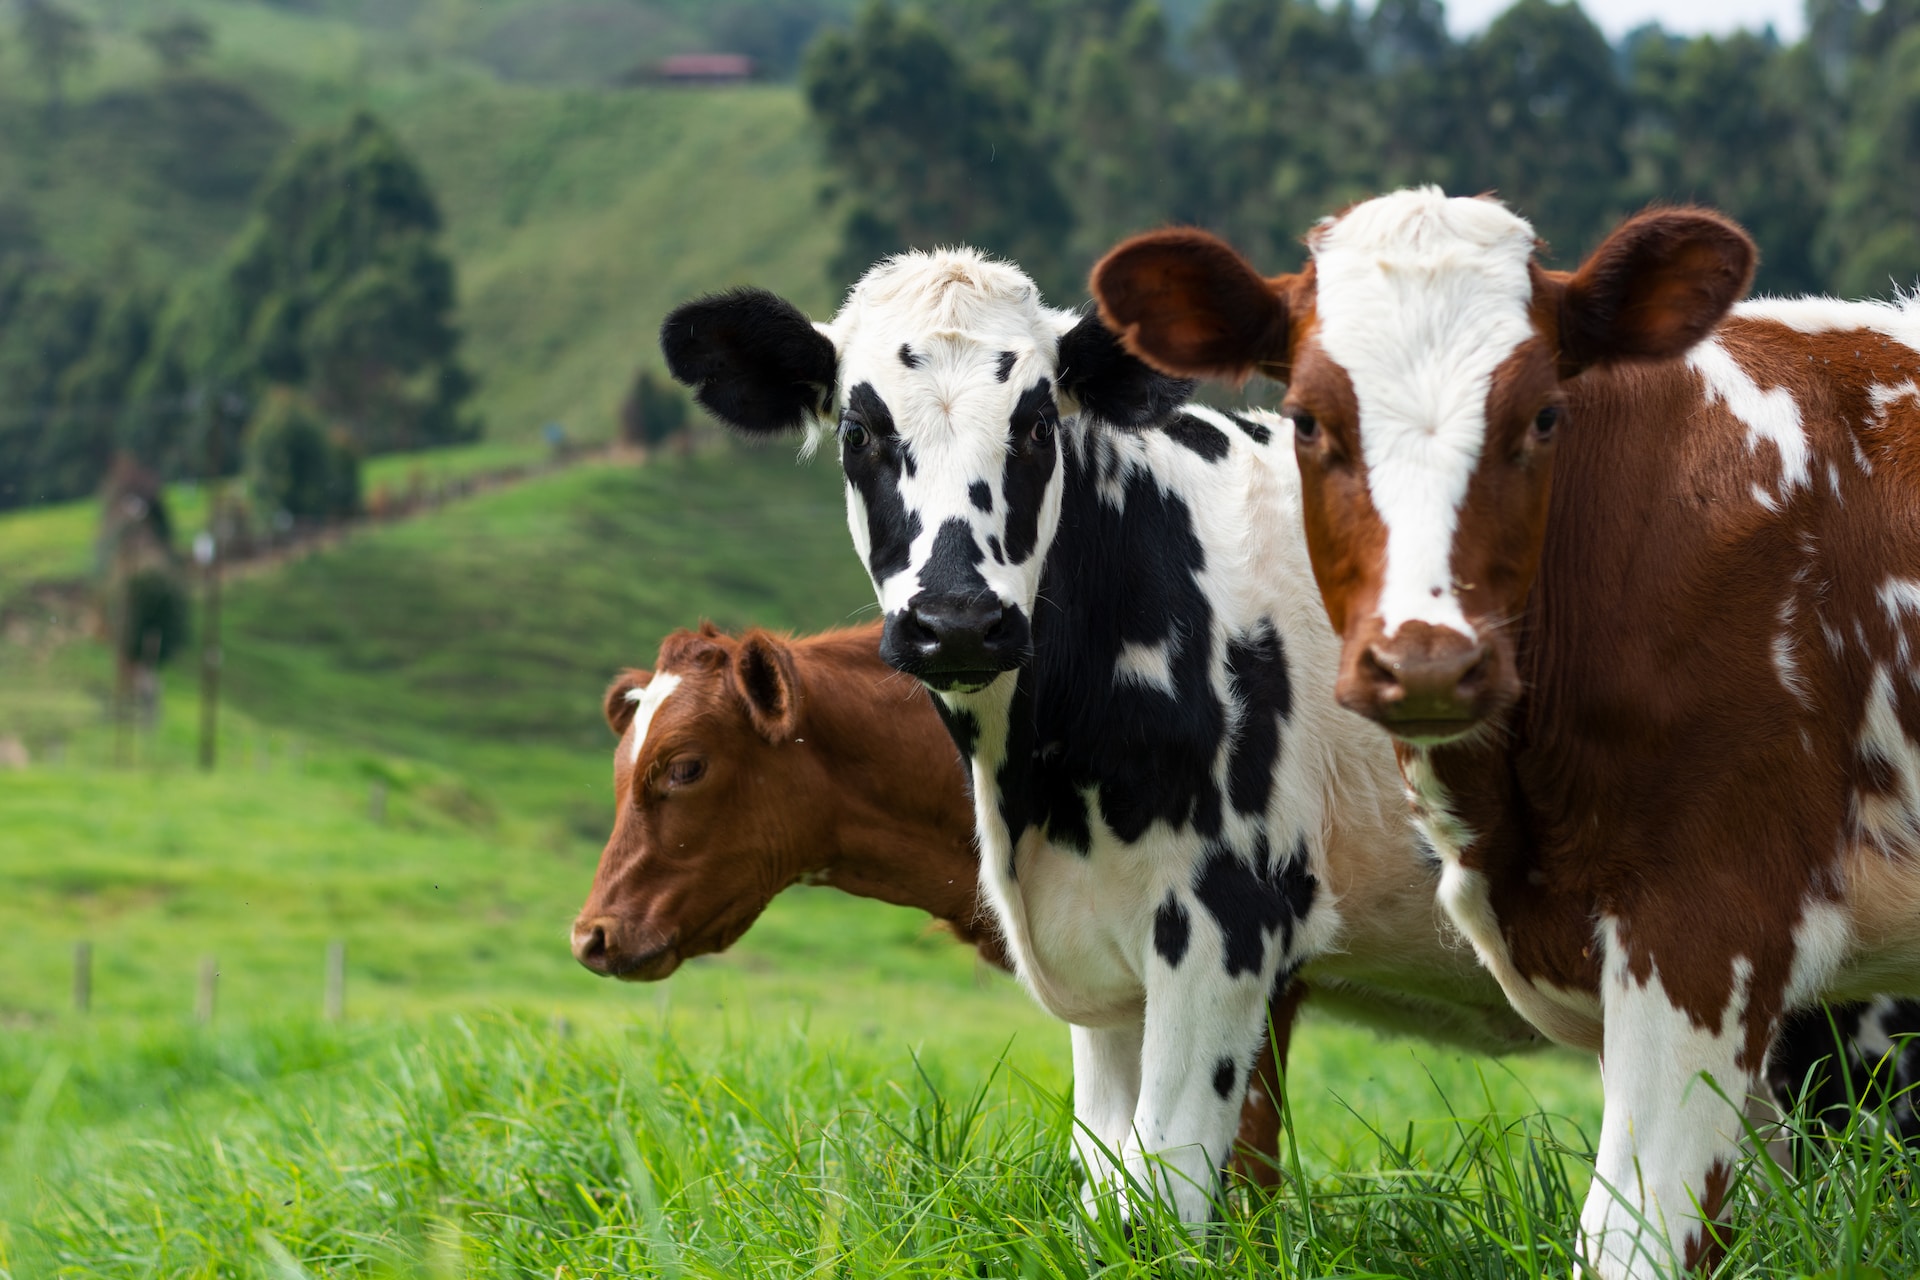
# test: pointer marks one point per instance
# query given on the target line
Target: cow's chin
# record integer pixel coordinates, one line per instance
(651, 967)
(959, 683)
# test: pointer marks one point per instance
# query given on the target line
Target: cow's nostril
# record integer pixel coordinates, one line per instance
(1476, 675)
(1378, 668)
(594, 945)
(916, 634)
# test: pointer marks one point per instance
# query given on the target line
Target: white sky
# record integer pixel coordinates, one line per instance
(1617, 17)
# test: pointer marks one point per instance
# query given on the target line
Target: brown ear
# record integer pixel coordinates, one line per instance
(1653, 288)
(764, 678)
(618, 706)
(1186, 303)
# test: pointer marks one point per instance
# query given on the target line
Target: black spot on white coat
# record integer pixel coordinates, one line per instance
(1171, 931)
(1257, 663)
(1258, 432)
(874, 473)
(1224, 1076)
(1197, 434)
(1253, 902)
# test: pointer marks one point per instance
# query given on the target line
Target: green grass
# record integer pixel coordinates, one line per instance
(739, 1146)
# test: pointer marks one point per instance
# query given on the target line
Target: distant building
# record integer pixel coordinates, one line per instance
(704, 68)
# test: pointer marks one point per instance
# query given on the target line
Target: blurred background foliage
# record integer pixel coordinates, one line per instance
(368, 202)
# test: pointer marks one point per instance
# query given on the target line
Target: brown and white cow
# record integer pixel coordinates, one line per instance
(747, 765)
(1634, 581)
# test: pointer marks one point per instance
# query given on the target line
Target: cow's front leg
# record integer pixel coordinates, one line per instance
(1676, 1081)
(1204, 1028)
(1106, 1089)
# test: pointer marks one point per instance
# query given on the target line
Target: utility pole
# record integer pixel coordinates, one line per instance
(206, 552)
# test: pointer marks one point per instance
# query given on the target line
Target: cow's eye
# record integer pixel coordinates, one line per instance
(1042, 429)
(1306, 427)
(1544, 423)
(686, 770)
(856, 436)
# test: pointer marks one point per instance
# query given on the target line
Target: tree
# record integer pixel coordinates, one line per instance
(1544, 120)
(296, 466)
(1734, 123)
(1871, 240)
(338, 285)
(653, 412)
(179, 42)
(929, 150)
(57, 42)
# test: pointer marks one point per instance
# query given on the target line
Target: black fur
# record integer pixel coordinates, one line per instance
(1197, 434)
(1112, 385)
(980, 493)
(1258, 432)
(1003, 367)
(1028, 469)
(874, 472)
(1171, 931)
(753, 360)
(1224, 1075)
(1807, 1068)
(1253, 900)
(909, 359)
(1265, 694)
(963, 727)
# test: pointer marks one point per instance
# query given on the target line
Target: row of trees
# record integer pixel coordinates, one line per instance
(333, 305)
(1046, 129)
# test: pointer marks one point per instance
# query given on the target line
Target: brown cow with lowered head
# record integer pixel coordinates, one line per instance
(746, 765)
(1635, 584)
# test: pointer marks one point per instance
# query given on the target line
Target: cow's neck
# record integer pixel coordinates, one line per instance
(902, 824)
(1119, 591)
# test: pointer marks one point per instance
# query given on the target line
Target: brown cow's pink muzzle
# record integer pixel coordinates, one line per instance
(614, 948)
(1426, 684)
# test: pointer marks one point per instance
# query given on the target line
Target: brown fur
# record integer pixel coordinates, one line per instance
(1646, 762)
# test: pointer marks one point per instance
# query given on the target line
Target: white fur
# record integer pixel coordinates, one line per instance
(1771, 417)
(1674, 1102)
(1146, 665)
(646, 702)
(1420, 299)
(1891, 822)
(958, 310)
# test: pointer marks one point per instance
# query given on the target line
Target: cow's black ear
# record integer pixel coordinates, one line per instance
(754, 360)
(1112, 384)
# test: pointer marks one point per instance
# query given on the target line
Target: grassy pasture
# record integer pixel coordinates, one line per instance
(843, 1094)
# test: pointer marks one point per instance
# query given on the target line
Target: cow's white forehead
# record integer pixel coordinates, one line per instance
(1420, 298)
(956, 311)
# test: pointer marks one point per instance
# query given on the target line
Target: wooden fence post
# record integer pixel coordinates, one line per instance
(82, 977)
(209, 984)
(336, 981)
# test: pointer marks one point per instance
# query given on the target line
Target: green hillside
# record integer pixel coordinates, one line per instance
(576, 214)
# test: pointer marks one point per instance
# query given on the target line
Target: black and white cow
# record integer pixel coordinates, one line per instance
(1109, 597)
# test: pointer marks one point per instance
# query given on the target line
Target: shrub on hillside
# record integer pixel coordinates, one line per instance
(653, 412)
(153, 622)
(296, 465)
